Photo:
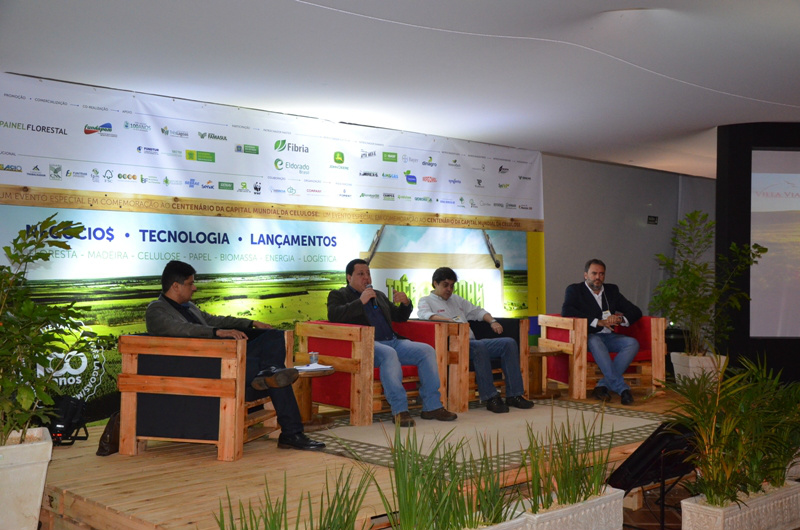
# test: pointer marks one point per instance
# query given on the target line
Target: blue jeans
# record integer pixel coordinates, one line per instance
(626, 347)
(481, 353)
(390, 355)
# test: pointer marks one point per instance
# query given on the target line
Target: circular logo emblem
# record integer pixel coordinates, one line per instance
(79, 374)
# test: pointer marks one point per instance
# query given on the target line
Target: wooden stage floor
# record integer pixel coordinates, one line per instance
(178, 485)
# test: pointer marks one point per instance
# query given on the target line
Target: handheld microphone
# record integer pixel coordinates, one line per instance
(374, 299)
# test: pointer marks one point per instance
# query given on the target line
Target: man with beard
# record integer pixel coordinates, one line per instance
(604, 307)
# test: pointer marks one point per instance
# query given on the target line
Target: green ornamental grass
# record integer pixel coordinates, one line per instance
(338, 507)
(566, 466)
(447, 486)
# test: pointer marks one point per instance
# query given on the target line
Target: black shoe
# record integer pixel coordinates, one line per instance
(495, 404)
(627, 397)
(275, 377)
(519, 402)
(601, 393)
(404, 419)
(441, 414)
(299, 441)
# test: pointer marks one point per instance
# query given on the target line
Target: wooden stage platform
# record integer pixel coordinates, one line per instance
(178, 485)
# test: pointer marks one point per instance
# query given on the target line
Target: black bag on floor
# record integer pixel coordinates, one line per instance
(109, 441)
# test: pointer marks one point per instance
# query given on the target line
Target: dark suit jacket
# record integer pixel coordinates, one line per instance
(164, 320)
(344, 305)
(579, 302)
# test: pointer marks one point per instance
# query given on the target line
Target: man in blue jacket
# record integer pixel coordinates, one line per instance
(604, 307)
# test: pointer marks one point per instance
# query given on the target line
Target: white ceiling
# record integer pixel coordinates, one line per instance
(642, 83)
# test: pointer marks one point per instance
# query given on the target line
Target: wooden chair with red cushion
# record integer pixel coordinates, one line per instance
(578, 369)
(350, 350)
(461, 386)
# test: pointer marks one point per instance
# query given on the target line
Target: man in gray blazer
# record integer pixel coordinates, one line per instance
(174, 315)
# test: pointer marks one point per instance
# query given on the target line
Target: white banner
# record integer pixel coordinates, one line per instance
(268, 208)
(74, 137)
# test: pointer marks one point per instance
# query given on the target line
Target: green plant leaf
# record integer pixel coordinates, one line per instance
(31, 333)
(696, 296)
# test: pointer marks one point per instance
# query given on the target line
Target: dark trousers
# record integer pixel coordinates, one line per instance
(267, 348)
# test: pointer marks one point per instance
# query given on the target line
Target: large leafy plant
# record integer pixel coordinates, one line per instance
(696, 296)
(745, 430)
(35, 337)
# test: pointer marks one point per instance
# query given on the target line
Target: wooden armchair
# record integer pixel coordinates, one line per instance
(190, 390)
(350, 350)
(578, 369)
(461, 385)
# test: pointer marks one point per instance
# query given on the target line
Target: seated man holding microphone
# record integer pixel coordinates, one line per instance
(359, 303)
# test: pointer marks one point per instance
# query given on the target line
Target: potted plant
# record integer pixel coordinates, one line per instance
(745, 432)
(34, 339)
(696, 296)
(566, 482)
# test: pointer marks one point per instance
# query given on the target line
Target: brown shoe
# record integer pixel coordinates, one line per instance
(404, 419)
(275, 377)
(441, 414)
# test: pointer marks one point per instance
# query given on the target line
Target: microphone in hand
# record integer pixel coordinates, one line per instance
(374, 299)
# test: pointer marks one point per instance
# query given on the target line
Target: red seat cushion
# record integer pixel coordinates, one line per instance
(335, 389)
(558, 366)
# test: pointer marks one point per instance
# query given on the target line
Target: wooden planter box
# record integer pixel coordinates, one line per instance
(777, 510)
(600, 513)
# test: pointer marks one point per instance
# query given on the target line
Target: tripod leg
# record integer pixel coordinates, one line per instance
(663, 493)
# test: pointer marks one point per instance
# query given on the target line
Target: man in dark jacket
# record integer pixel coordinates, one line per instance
(359, 303)
(604, 307)
(174, 315)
